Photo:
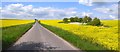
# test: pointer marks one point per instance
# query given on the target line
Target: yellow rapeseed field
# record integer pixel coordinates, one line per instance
(6, 23)
(107, 35)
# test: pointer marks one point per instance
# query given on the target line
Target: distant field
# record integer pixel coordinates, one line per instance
(111, 23)
(13, 30)
(6, 23)
(90, 37)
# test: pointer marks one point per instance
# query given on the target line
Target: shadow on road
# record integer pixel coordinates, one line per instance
(35, 47)
(30, 46)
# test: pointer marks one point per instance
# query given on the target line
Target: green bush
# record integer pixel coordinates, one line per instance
(95, 22)
(72, 19)
(85, 19)
(89, 19)
(65, 20)
(80, 20)
(76, 19)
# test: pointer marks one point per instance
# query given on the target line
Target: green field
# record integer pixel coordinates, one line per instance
(87, 37)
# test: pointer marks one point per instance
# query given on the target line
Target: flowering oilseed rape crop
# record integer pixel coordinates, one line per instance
(6, 23)
(104, 36)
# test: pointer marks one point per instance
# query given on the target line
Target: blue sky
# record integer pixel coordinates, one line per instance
(58, 10)
(56, 0)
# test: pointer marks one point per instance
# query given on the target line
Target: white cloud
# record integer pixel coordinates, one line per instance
(20, 11)
(0, 8)
(86, 2)
(113, 17)
(115, 5)
(105, 0)
(113, 9)
(30, 12)
(27, 8)
(103, 10)
(86, 13)
(14, 7)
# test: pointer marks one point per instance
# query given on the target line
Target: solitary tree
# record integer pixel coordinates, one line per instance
(65, 19)
(76, 19)
(80, 20)
(96, 22)
(85, 19)
(72, 19)
(89, 19)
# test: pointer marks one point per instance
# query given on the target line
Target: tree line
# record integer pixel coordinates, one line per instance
(95, 22)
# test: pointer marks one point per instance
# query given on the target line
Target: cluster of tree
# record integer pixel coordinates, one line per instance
(86, 19)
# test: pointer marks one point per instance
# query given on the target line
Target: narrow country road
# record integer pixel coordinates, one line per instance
(39, 38)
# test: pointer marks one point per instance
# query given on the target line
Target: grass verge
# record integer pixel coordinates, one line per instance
(76, 40)
(13, 33)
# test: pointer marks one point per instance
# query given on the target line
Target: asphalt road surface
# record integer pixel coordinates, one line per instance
(39, 38)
